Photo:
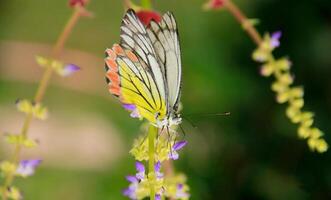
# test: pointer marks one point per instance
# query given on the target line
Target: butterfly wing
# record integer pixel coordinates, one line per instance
(130, 79)
(165, 40)
(135, 38)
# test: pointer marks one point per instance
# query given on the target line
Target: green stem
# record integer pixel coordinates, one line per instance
(146, 4)
(152, 132)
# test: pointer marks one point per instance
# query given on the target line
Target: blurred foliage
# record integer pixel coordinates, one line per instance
(253, 154)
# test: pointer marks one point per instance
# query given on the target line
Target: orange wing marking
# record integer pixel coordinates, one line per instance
(112, 73)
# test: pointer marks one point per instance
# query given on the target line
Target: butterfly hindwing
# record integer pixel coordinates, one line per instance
(165, 40)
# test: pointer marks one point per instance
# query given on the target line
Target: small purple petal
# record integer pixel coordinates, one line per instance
(134, 111)
(179, 145)
(132, 179)
(140, 167)
(180, 193)
(276, 35)
(141, 171)
(173, 155)
(130, 192)
(275, 39)
(157, 166)
(179, 186)
(157, 169)
(130, 107)
(69, 69)
(140, 175)
(135, 114)
(32, 163)
(159, 175)
(157, 197)
(127, 192)
(27, 167)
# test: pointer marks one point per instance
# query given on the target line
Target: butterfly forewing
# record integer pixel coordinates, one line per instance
(135, 38)
(165, 40)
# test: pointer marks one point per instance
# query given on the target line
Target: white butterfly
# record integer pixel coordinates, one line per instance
(144, 70)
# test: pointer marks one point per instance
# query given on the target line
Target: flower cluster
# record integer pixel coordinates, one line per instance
(165, 149)
(175, 187)
(22, 140)
(59, 67)
(287, 93)
(37, 110)
(140, 184)
(172, 187)
(23, 169)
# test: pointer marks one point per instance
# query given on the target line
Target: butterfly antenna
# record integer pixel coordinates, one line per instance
(189, 121)
(182, 129)
(210, 114)
(218, 114)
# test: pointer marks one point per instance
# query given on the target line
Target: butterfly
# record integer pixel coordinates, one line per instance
(144, 70)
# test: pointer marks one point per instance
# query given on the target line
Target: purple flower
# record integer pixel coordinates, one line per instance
(274, 42)
(133, 109)
(177, 146)
(157, 169)
(129, 107)
(69, 69)
(134, 181)
(180, 192)
(27, 167)
(131, 190)
(157, 197)
(141, 171)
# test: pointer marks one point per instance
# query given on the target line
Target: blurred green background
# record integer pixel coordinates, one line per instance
(252, 154)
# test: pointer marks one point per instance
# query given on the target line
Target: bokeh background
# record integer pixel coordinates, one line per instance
(252, 154)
